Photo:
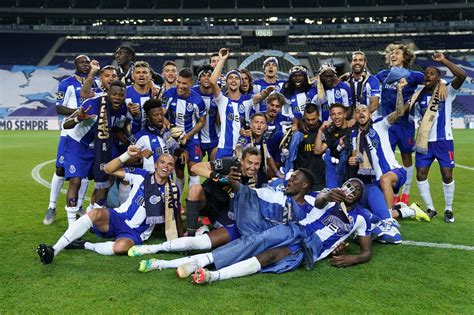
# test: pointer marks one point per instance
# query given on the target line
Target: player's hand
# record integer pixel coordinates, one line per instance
(224, 53)
(246, 132)
(269, 89)
(83, 115)
(133, 150)
(183, 157)
(336, 195)
(234, 174)
(134, 109)
(155, 90)
(325, 125)
(95, 66)
(183, 139)
(442, 91)
(146, 154)
(343, 261)
(340, 249)
(402, 83)
(351, 122)
(438, 57)
(341, 141)
(352, 161)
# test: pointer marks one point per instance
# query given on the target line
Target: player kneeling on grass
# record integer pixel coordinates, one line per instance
(277, 247)
(131, 223)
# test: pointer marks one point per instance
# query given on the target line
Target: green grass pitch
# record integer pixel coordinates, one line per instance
(399, 279)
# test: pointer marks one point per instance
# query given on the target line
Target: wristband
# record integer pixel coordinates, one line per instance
(124, 157)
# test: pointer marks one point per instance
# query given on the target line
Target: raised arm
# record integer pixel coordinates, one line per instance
(257, 98)
(86, 90)
(400, 105)
(319, 146)
(459, 74)
(216, 74)
(114, 167)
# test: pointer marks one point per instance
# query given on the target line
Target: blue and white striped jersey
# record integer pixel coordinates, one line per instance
(299, 100)
(184, 113)
(341, 93)
(209, 133)
(381, 154)
(332, 226)
(441, 128)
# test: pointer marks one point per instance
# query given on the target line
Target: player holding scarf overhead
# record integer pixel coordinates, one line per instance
(234, 108)
(435, 136)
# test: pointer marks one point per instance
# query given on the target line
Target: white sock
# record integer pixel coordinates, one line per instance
(180, 184)
(71, 214)
(240, 269)
(74, 231)
(124, 191)
(106, 248)
(194, 180)
(56, 184)
(424, 189)
(448, 195)
(410, 170)
(202, 260)
(407, 212)
(200, 242)
(82, 191)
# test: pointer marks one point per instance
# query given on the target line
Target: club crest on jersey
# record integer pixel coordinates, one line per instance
(72, 169)
(102, 166)
(241, 108)
(338, 93)
(61, 159)
(154, 199)
(60, 96)
(371, 133)
(375, 143)
(189, 107)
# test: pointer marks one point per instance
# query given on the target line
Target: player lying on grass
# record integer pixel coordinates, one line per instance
(278, 247)
(298, 186)
(131, 223)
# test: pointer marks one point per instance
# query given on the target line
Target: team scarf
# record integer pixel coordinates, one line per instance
(357, 95)
(421, 144)
(161, 207)
(362, 151)
(102, 142)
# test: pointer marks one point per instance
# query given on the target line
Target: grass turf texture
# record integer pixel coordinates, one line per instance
(402, 279)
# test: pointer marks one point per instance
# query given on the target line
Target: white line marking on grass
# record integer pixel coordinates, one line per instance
(438, 245)
(35, 173)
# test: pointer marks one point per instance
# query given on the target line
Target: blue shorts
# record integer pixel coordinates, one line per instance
(78, 159)
(233, 232)
(402, 178)
(402, 135)
(442, 150)
(118, 229)
(194, 150)
(60, 154)
(206, 148)
(222, 153)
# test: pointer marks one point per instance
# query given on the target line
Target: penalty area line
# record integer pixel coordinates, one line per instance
(438, 245)
(35, 174)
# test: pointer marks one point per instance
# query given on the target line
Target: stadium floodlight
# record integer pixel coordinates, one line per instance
(356, 19)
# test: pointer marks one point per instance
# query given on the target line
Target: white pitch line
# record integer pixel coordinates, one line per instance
(438, 245)
(35, 173)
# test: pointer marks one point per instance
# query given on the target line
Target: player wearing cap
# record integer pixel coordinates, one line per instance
(270, 71)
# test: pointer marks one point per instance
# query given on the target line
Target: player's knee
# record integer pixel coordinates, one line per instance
(386, 181)
(60, 171)
(447, 176)
(122, 246)
(421, 174)
(97, 215)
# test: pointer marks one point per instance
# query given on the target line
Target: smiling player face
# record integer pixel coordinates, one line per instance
(164, 166)
(250, 165)
(396, 58)
(358, 63)
(233, 82)
(183, 86)
(362, 115)
(116, 96)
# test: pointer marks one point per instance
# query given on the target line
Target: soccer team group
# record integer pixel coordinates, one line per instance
(294, 168)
